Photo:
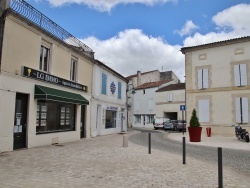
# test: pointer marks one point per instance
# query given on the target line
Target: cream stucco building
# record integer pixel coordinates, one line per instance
(217, 84)
(45, 80)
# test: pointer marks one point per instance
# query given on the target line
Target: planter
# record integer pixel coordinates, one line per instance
(194, 134)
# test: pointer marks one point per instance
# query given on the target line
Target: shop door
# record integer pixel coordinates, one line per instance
(20, 121)
(83, 121)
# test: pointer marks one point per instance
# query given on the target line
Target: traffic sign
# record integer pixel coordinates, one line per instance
(182, 107)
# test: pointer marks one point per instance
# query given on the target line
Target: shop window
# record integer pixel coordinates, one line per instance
(104, 84)
(241, 109)
(119, 90)
(137, 119)
(110, 119)
(73, 70)
(202, 78)
(44, 58)
(54, 117)
(240, 75)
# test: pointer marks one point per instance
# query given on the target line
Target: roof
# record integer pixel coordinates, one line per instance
(171, 87)
(215, 44)
(151, 84)
(134, 75)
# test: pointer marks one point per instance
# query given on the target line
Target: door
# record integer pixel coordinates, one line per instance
(20, 121)
(83, 121)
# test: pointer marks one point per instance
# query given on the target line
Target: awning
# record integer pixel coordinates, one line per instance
(46, 93)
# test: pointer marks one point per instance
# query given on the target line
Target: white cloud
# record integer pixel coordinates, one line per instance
(231, 23)
(132, 50)
(187, 29)
(106, 5)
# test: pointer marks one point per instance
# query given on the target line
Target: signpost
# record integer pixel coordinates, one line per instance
(182, 109)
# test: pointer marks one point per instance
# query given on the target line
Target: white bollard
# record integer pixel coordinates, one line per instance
(125, 140)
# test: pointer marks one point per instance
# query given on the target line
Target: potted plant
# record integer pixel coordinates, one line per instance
(194, 128)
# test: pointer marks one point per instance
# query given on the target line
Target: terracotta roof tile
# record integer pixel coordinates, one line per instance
(152, 84)
(178, 86)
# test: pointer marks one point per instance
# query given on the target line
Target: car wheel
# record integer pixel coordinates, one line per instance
(156, 128)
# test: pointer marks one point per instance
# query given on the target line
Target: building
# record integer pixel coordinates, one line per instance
(170, 101)
(45, 80)
(109, 110)
(217, 84)
(141, 95)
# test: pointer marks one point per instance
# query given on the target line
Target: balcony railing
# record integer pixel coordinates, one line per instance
(32, 14)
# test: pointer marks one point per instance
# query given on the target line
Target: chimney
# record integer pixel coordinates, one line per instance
(138, 78)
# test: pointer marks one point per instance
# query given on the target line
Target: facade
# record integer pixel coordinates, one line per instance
(169, 101)
(141, 104)
(45, 80)
(217, 84)
(108, 105)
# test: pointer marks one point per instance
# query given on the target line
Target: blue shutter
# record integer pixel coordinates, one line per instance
(119, 90)
(104, 84)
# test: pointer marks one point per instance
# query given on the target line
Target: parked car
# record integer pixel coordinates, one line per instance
(159, 122)
(181, 125)
(170, 125)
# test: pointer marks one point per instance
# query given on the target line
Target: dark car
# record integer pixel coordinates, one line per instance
(181, 125)
(170, 125)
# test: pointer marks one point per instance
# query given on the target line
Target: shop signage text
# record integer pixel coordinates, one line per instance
(32, 73)
(112, 108)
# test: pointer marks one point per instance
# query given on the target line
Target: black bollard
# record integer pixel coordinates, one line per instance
(149, 143)
(220, 176)
(184, 149)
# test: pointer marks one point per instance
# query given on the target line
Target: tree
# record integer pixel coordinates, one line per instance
(194, 121)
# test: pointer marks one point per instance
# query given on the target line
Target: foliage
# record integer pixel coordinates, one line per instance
(194, 121)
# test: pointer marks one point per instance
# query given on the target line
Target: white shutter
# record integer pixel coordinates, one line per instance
(237, 110)
(204, 110)
(170, 97)
(205, 78)
(245, 109)
(243, 74)
(200, 79)
(236, 75)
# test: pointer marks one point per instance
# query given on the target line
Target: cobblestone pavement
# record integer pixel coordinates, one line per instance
(103, 162)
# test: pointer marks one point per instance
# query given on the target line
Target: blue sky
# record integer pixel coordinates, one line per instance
(132, 35)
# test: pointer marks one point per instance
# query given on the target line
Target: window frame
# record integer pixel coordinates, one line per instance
(241, 110)
(119, 90)
(73, 69)
(44, 48)
(104, 84)
(203, 78)
(240, 74)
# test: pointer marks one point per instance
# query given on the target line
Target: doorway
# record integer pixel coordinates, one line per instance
(20, 121)
(83, 110)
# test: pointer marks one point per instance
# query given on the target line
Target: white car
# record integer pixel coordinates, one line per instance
(159, 122)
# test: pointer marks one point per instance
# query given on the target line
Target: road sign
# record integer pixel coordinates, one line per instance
(182, 107)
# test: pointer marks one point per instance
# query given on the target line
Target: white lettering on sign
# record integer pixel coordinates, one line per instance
(112, 108)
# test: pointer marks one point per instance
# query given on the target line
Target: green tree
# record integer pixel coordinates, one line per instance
(194, 121)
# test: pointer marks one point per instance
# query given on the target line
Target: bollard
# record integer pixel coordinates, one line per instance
(184, 149)
(149, 143)
(220, 176)
(125, 140)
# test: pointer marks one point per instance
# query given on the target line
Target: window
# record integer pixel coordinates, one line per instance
(104, 84)
(170, 97)
(202, 78)
(44, 59)
(73, 69)
(119, 90)
(241, 108)
(150, 119)
(110, 119)
(240, 75)
(137, 119)
(54, 117)
(203, 110)
(144, 92)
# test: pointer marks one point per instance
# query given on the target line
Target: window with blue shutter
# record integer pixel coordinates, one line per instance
(119, 90)
(104, 84)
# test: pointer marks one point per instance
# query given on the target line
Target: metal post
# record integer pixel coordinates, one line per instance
(220, 176)
(149, 143)
(184, 149)
(183, 122)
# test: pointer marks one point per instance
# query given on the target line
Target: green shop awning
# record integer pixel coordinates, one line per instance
(46, 93)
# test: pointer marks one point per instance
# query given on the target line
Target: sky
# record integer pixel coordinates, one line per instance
(145, 35)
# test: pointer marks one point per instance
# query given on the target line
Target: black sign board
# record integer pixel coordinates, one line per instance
(32, 73)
